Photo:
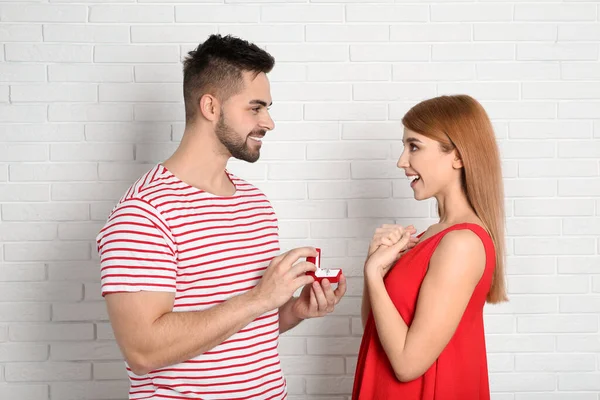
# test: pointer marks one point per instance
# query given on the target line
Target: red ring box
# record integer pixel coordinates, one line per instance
(332, 275)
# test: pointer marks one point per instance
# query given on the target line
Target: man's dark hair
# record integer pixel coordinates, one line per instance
(216, 67)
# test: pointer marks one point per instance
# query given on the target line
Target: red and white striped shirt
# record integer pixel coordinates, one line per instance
(165, 235)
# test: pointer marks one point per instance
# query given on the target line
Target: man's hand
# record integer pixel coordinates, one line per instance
(284, 276)
(318, 299)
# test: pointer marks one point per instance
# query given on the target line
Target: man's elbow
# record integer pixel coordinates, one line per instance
(139, 360)
(139, 364)
(139, 352)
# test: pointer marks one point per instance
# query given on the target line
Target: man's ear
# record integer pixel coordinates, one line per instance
(209, 106)
(457, 162)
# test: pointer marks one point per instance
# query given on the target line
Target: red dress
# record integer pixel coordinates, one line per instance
(460, 372)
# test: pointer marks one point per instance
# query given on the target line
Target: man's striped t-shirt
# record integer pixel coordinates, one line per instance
(165, 235)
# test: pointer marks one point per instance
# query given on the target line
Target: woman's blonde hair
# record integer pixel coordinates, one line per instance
(460, 122)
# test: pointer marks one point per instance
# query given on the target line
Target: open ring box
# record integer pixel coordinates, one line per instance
(332, 275)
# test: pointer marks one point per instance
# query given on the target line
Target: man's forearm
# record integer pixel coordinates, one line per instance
(287, 319)
(179, 336)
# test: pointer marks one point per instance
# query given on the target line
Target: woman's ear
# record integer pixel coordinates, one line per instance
(457, 163)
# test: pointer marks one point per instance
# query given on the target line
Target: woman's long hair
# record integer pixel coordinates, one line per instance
(460, 122)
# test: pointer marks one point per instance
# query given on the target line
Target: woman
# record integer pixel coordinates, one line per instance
(423, 319)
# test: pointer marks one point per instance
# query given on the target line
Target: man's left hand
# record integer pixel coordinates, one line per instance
(318, 299)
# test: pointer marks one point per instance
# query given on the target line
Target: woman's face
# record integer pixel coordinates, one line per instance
(430, 170)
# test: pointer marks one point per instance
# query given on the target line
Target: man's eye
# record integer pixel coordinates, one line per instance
(256, 110)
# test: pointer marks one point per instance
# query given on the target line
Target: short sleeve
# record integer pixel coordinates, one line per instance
(137, 250)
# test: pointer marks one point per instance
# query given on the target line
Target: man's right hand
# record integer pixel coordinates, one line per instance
(284, 276)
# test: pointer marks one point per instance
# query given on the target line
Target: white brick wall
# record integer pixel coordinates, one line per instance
(90, 98)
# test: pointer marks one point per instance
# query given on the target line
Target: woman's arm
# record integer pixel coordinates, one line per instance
(455, 268)
(365, 307)
(387, 235)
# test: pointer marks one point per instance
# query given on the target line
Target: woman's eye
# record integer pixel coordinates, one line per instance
(413, 147)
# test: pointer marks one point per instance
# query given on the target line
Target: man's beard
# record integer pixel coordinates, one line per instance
(237, 147)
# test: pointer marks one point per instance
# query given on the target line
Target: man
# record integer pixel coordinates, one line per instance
(196, 291)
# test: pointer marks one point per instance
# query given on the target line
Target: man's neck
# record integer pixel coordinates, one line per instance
(199, 162)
